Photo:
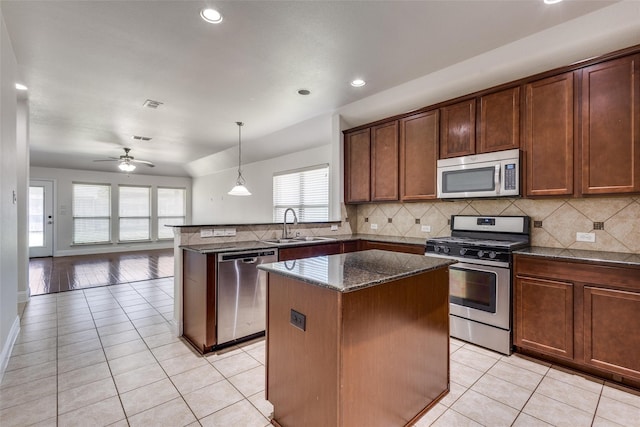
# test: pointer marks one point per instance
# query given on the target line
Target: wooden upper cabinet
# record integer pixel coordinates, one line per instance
(548, 136)
(611, 126)
(384, 162)
(418, 156)
(458, 129)
(357, 164)
(499, 121)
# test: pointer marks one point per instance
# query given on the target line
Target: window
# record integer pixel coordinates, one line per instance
(171, 210)
(91, 207)
(135, 213)
(305, 190)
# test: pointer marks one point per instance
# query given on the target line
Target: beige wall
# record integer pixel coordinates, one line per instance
(561, 219)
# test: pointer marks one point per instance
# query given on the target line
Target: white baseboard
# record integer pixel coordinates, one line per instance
(107, 249)
(24, 296)
(176, 327)
(7, 348)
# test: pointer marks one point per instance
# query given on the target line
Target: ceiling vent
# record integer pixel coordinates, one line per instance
(141, 138)
(150, 103)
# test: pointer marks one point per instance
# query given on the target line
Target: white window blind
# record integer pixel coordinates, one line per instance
(171, 210)
(91, 209)
(135, 213)
(305, 190)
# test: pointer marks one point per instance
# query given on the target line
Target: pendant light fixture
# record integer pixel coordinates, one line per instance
(240, 189)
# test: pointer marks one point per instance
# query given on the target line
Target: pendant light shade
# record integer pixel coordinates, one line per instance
(240, 189)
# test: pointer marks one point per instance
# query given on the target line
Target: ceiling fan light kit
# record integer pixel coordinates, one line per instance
(126, 162)
(126, 167)
(239, 189)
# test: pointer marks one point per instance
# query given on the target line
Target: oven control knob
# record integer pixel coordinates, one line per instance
(480, 254)
(492, 254)
(463, 251)
(446, 249)
(436, 248)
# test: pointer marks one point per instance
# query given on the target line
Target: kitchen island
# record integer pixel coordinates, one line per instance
(357, 339)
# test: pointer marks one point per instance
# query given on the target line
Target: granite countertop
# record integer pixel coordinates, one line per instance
(257, 244)
(593, 257)
(356, 270)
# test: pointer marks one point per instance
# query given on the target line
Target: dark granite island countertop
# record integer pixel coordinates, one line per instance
(356, 270)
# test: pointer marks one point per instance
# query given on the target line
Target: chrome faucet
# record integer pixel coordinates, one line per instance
(285, 230)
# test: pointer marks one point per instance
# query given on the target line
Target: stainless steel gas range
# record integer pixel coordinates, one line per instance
(480, 283)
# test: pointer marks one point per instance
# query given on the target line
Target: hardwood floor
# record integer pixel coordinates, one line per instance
(51, 275)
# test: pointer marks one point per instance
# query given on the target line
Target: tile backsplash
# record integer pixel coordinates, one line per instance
(561, 219)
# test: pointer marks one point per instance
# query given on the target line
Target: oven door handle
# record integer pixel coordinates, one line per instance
(496, 179)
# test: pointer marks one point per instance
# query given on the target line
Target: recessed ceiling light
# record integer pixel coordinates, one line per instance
(20, 86)
(552, 1)
(211, 15)
(304, 92)
(358, 83)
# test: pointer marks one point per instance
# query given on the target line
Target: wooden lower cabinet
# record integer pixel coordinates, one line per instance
(612, 330)
(394, 247)
(297, 252)
(580, 314)
(544, 315)
(377, 356)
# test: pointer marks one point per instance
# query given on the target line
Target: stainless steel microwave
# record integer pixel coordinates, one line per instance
(482, 175)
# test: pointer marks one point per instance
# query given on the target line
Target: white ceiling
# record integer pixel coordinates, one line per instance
(90, 65)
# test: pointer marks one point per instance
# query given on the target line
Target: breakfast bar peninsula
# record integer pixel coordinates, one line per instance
(357, 339)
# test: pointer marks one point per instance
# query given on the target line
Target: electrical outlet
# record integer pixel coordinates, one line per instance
(334, 228)
(218, 232)
(586, 237)
(206, 232)
(426, 228)
(298, 320)
(374, 226)
(229, 231)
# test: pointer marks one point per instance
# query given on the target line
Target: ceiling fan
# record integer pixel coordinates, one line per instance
(126, 162)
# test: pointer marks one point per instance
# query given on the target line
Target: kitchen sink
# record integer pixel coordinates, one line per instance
(296, 240)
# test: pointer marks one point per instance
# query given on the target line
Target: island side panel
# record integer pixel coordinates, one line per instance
(199, 300)
(395, 350)
(302, 366)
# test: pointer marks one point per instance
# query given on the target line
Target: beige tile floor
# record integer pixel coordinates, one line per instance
(106, 356)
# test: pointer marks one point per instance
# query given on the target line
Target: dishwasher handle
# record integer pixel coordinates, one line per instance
(250, 260)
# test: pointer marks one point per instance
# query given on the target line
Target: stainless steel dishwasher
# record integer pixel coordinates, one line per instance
(241, 295)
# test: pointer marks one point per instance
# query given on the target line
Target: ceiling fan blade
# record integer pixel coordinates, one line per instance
(144, 162)
(106, 160)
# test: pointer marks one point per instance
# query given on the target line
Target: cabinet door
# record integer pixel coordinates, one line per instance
(394, 247)
(384, 162)
(499, 121)
(543, 319)
(357, 153)
(418, 156)
(548, 139)
(611, 325)
(458, 129)
(611, 127)
(285, 254)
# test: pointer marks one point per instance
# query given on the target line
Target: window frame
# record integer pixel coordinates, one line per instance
(74, 216)
(121, 217)
(300, 205)
(159, 217)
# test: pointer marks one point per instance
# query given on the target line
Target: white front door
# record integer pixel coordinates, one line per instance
(40, 218)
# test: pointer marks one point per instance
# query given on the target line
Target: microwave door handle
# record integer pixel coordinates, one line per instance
(496, 179)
